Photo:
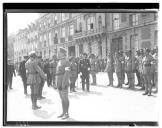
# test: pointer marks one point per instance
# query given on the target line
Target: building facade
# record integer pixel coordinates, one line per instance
(97, 33)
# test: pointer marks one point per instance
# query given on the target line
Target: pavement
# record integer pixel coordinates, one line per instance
(102, 103)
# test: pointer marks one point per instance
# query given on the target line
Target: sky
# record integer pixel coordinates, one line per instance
(16, 21)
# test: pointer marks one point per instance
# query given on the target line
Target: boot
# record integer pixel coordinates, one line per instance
(35, 103)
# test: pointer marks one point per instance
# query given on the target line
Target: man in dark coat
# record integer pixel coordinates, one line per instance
(10, 73)
(22, 73)
(85, 69)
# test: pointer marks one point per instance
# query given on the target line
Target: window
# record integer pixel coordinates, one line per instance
(55, 19)
(116, 20)
(44, 43)
(50, 38)
(123, 17)
(100, 22)
(155, 37)
(45, 37)
(133, 19)
(90, 23)
(64, 16)
(63, 32)
(71, 30)
(136, 41)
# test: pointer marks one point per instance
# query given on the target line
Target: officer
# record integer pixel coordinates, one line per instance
(62, 81)
(118, 69)
(53, 65)
(122, 60)
(10, 72)
(34, 74)
(73, 73)
(137, 59)
(47, 71)
(41, 64)
(129, 67)
(147, 60)
(22, 73)
(85, 69)
(154, 68)
(140, 68)
(93, 70)
(109, 69)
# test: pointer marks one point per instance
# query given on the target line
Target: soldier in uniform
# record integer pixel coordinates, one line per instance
(109, 69)
(147, 60)
(129, 67)
(118, 69)
(41, 64)
(93, 70)
(62, 81)
(34, 74)
(10, 73)
(53, 65)
(122, 60)
(73, 73)
(85, 69)
(22, 73)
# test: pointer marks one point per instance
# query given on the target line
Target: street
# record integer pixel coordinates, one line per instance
(102, 103)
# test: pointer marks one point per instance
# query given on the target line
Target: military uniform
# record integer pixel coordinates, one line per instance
(118, 69)
(85, 69)
(129, 68)
(47, 71)
(110, 69)
(34, 74)
(22, 72)
(62, 82)
(53, 65)
(73, 74)
(122, 60)
(10, 72)
(147, 73)
(93, 70)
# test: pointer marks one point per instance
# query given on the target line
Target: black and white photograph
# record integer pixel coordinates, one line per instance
(81, 66)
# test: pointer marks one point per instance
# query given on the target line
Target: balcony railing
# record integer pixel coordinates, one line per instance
(90, 32)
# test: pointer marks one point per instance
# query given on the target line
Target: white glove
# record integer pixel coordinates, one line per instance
(67, 69)
(80, 73)
(88, 69)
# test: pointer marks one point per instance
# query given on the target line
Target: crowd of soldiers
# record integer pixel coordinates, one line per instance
(63, 72)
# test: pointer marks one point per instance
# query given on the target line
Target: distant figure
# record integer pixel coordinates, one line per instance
(22, 73)
(10, 72)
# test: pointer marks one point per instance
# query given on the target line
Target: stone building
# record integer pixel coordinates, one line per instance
(97, 33)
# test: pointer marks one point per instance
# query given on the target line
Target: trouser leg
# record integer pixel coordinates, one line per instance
(87, 82)
(62, 102)
(110, 75)
(83, 82)
(10, 85)
(24, 79)
(146, 83)
(138, 77)
(94, 78)
(149, 83)
(65, 100)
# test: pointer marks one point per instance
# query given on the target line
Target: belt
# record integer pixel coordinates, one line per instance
(147, 65)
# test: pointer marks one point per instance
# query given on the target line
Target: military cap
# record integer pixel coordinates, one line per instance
(147, 50)
(32, 54)
(25, 57)
(91, 56)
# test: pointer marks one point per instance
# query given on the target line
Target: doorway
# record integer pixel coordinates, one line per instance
(71, 51)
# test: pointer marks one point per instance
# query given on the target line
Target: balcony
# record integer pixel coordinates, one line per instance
(90, 32)
(62, 40)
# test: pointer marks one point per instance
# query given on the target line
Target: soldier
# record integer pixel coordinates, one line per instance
(47, 71)
(118, 69)
(22, 72)
(122, 60)
(137, 57)
(93, 70)
(154, 68)
(40, 89)
(53, 65)
(109, 69)
(147, 60)
(129, 67)
(85, 69)
(10, 72)
(73, 73)
(62, 81)
(34, 73)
